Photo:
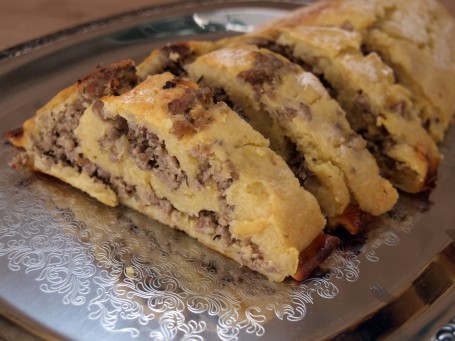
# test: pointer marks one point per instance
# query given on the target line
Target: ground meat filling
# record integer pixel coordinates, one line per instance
(176, 56)
(210, 223)
(283, 50)
(149, 153)
(142, 145)
(362, 119)
(268, 69)
(112, 80)
(296, 162)
(190, 112)
(56, 140)
(127, 191)
(221, 175)
(252, 256)
(379, 141)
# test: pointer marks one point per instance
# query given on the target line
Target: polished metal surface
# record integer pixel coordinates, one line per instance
(73, 269)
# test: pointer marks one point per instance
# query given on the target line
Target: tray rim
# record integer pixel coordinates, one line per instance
(125, 17)
(117, 22)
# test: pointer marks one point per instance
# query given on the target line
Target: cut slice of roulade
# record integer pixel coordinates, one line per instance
(48, 137)
(376, 106)
(165, 149)
(305, 125)
(415, 38)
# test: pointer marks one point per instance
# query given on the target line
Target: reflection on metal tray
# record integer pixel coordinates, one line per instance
(68, 263)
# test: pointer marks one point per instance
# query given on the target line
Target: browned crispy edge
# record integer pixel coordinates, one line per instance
(15, 137)
(353, 219)
(310, 258)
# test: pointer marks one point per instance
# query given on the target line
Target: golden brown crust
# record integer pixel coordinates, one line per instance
(358, 14)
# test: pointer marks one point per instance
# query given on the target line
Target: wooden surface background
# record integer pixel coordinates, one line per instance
(23, 20)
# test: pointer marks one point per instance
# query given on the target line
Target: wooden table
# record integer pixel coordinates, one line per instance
(24, 20)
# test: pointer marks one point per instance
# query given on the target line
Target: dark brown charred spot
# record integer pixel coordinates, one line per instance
(169, 85)
(366, 51)
(15, 133)
(113, 79)
(426, 123)
(14, 136)
(267, 69)
(190, 111)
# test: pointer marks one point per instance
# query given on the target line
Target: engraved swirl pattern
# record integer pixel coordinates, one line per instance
(446, 333)
(136, 277)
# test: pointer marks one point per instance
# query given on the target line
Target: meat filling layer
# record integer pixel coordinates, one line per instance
(150, 154)
(362, 119)
(55, 140)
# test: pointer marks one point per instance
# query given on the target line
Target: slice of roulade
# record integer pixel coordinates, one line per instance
(165, 149)
(376, 106)
(415, 38)
(305, 125)
(48, 137)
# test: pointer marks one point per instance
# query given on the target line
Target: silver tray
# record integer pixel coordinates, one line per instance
(73, 269)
